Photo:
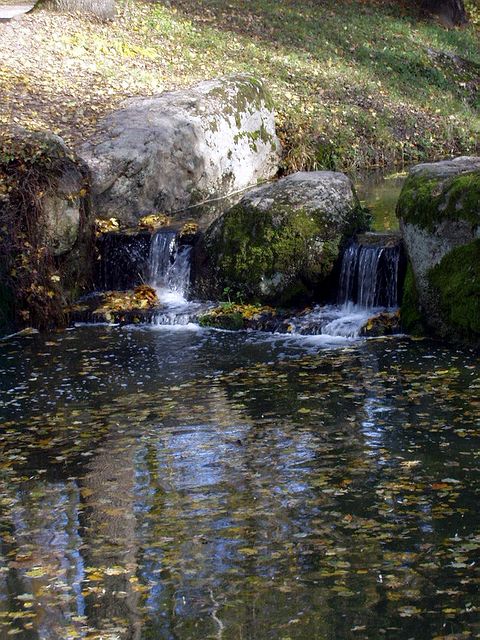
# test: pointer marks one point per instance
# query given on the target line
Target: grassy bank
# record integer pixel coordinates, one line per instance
(356, 84)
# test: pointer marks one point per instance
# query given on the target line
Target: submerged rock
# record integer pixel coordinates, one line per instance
(179, 149)
(439, 211)
(236, 317)
(383, 324)
(280, 243)
(118, 307)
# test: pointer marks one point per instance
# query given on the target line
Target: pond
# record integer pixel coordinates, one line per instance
(192, 484)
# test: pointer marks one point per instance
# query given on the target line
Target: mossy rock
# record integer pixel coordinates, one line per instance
(281, 242)
(410, 314)
(456, 281)
(439, 211)
(437, 192)
(235, 317)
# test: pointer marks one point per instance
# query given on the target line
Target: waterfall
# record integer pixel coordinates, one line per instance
(368, 284)
(169, 267)
(369, 275)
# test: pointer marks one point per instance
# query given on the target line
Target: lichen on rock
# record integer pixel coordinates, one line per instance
(183, 148)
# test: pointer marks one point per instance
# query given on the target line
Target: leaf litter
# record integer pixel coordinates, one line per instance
(331, 490)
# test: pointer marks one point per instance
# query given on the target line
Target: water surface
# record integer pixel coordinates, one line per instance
(380, 194)
(187, 484)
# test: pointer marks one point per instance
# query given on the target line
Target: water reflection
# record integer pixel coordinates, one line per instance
(243, 490)
(380, 193)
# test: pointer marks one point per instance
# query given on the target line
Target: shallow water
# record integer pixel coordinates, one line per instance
(180, 483)
(380, 193)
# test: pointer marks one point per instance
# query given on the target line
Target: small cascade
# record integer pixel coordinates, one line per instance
(369, 275)
(368, 284)
(331, 320)
(169, 266)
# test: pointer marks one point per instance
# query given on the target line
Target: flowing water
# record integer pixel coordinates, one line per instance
(369, 276)
(169, 268)
(368, 284)
(190, 484)
(174, 483)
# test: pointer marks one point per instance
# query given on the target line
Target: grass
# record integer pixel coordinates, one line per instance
(356, 84)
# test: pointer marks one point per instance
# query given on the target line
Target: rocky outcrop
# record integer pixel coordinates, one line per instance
(280, 242)
(52, 177)
(180, 149)
(45, 212)
(439, 212)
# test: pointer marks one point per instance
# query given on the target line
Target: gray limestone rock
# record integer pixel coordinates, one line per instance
(171, 152)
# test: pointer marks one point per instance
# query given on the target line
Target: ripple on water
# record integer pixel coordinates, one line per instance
(205, 484)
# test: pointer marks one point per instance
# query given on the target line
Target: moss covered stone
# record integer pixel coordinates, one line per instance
(410, 315)
(280, 243)
(456, 281)
(439, 211)
(256, 254)
(431, 195)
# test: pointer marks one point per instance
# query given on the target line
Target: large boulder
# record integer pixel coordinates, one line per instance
(279, 244)
(439, 212)
(40, 167)
(47, 240)
(180, 149)
(103, 9)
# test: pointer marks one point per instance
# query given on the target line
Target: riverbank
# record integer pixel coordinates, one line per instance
(354, 86)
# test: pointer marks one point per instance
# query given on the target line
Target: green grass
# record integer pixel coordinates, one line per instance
(355, 84)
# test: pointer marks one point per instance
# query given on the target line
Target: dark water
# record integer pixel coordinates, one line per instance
(187, 484)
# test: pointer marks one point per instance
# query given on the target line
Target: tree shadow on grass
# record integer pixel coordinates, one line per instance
(387, 46)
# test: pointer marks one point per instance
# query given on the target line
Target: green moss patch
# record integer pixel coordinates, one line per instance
(255, 246)
(456, 281)
(410, 316)
(426, 201)
(235, 317)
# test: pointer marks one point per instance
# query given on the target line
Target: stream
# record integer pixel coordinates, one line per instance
(185, 483)
(171, 482)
